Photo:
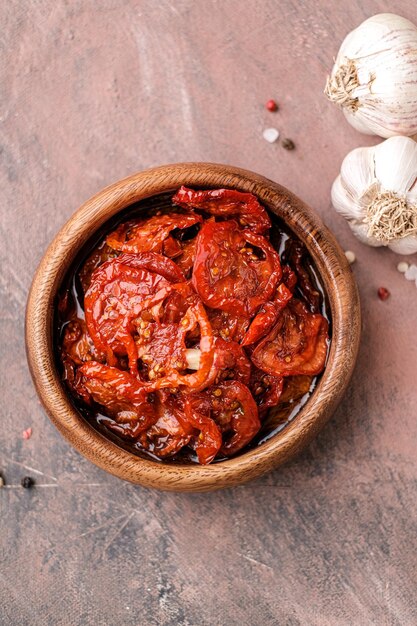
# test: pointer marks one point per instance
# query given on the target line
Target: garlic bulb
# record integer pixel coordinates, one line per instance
(374, 78)
(377, 193)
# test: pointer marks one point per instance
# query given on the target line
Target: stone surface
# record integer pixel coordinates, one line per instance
(90, 93)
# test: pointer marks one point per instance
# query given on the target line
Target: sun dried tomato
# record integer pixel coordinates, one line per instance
(228, 326)
(289, 278)
(229, 274)
(146, 235)
(209, 440)
(266, 390)
(267, 316)
(117, 295)
(297, 344)
(245, 207)
(99, 256)
(235, 412)
(77, 344)
(123, 396)
(154, 262)
(295, 254)
(186, 260)
(171, 431)
(173, 362)
(77, 347)
(171, 247)
(230, 361)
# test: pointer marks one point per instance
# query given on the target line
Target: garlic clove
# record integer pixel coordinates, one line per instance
(358, 172)
(370, 36)
(357, 122)
(412, 193)
(351, 190)
(396, 164)
(192, 356)
(342, 202)
(406, 245)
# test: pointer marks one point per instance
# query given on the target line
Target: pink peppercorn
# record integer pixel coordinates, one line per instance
(383, 294)
(272, 106)
(27, 433)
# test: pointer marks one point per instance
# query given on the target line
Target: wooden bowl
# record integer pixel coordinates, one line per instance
(336, 277)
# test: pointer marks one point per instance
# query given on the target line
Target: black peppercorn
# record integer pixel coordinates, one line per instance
(288, 144)
(27, 482)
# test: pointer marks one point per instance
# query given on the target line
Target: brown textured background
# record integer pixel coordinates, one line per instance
(90, 92)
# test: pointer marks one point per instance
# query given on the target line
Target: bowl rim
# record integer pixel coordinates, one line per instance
(335, 273)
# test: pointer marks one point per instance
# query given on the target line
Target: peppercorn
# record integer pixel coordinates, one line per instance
(383, 293)
(27, 482)
(288, 144)
(351, 256)
(272, 106)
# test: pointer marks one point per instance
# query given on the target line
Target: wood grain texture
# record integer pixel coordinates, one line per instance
(336, 278)
(91, 93)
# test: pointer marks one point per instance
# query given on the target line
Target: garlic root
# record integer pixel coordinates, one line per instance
(342, 84)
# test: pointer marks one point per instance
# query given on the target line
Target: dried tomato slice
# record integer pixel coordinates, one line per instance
(154, 262)
(186, 260)
(120, 289)
(162, 348)
(267, 316)
(166, 348)
(235, 412)
(226, 203)
(266, 390)
(230, 361)
(209, 440)
(100, 255)
(77, 348)
(123, 396)
(149, 234)
(289, 278)
(228, 275)
(228, 326)
(77, 345)
(171, 247)
(295, 253)
(171, 431)
(297, 344)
